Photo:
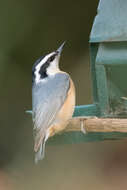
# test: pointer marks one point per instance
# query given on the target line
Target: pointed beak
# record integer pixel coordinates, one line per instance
(59, 50)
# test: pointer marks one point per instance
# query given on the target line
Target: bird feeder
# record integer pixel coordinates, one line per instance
(108, 46)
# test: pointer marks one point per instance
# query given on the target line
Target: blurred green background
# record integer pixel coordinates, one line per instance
(29, 29)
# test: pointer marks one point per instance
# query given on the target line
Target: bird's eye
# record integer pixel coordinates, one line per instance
(52, 58)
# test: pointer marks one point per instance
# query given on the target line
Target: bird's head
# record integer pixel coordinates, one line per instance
(46, 65)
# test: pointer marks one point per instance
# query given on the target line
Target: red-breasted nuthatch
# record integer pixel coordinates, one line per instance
(53, 99)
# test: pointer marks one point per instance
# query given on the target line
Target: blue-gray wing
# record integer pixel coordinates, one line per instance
(47, 98)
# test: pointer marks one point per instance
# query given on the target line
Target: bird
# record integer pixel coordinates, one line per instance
(53, 100)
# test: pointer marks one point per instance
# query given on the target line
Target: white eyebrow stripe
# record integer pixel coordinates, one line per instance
(37, 68)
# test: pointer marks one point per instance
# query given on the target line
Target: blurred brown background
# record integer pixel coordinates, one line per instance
(28, 30)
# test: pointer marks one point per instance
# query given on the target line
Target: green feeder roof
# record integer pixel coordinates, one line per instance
(110, 24)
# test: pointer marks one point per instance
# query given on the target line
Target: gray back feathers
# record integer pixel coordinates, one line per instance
(48, 96)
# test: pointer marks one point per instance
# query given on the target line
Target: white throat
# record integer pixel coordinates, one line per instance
(53, 67)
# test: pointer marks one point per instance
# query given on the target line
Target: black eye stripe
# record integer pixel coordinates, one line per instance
(43, 69)
(51, 58)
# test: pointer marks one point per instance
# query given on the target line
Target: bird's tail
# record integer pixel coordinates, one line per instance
(40, 148)
(40, 153)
